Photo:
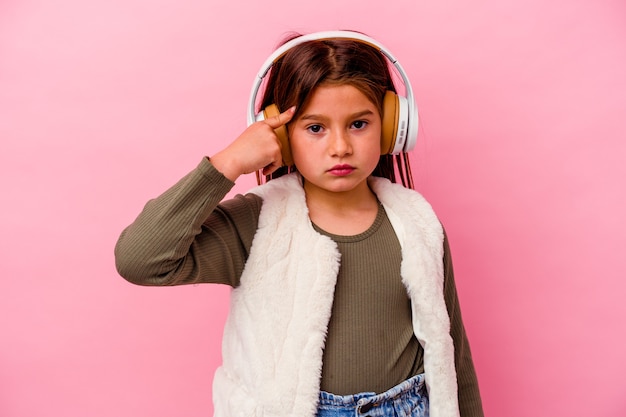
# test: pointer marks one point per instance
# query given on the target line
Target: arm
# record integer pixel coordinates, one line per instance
(184, 236)
(470, 403)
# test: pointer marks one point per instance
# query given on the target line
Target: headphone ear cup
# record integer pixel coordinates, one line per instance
(281, 132)
(389, 131)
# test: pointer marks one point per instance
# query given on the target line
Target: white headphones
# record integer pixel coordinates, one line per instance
(400, 119)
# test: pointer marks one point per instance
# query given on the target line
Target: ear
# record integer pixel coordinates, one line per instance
(390, 117)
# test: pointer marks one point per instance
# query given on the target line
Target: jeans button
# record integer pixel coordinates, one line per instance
(365, 408)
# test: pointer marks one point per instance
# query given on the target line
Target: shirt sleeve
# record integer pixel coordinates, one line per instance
(187, 235)
(470, 403)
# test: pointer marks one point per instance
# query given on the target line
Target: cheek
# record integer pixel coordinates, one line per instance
(295, 143)
(374, 150)
(301, 152)
(374, 156)
(375, 141)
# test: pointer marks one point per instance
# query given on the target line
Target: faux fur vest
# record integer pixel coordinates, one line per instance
(274, 336)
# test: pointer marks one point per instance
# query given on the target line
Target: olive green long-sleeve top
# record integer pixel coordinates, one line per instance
(189, 235)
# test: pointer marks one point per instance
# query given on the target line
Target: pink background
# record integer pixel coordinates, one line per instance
(104, 104)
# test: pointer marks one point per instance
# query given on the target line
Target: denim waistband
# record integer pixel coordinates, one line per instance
(407, 398)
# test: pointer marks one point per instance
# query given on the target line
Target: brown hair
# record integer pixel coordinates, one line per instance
(304, 67)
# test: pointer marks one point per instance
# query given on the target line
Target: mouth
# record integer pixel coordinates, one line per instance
(341, 170)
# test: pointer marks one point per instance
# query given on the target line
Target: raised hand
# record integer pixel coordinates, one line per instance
(256, 148)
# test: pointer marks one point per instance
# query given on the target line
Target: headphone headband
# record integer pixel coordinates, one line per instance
(340, 34)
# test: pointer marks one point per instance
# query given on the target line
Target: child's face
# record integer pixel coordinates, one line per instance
(335, 141)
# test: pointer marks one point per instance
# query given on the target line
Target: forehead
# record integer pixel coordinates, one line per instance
(332, 99)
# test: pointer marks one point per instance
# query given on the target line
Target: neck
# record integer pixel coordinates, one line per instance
(342, 213)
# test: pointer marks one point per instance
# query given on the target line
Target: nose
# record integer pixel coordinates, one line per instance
(339, 143)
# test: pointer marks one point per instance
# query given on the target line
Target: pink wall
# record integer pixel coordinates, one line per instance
(104, 104)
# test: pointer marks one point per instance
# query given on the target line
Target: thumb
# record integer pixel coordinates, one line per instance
(281, 119)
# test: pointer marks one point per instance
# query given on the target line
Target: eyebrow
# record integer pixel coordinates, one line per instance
(322, 117)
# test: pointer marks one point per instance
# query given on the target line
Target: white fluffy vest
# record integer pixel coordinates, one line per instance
(274, 336)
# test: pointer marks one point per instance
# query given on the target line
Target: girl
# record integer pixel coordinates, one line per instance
(343, 296)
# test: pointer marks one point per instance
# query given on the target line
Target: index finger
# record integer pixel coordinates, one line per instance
(278, 120)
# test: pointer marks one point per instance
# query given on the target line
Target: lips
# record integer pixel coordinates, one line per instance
(341, 170)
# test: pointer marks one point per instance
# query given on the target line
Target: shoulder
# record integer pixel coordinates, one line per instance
(242, 203)
(287, 184)
(410, 214)
(384, 186)
(399, 198)
(284, 195)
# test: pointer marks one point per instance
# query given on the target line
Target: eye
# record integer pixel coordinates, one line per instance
(359, 124)
(314, 128)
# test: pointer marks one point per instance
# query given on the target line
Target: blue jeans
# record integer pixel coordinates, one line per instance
(407, 399)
